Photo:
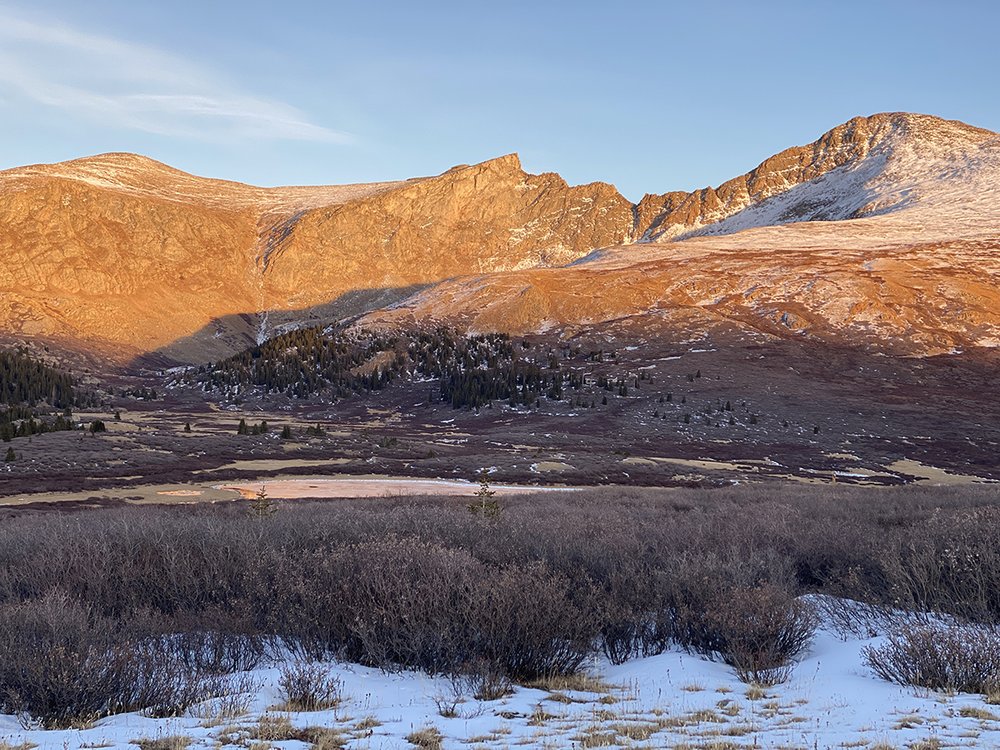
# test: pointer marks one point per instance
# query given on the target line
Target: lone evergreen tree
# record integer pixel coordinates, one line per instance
(262, 506)
(11, 456)
(187, 427)
(242, 428)
(485, 503)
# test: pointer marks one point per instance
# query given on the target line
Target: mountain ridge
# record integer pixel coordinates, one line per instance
(125, 254)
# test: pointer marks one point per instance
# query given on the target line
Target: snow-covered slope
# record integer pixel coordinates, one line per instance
(672, 700)
(865, 167)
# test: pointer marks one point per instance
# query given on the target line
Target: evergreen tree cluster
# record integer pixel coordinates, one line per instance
(304, 362)
(26, 381)
(28, 386)
(16, 428)
(470, 371)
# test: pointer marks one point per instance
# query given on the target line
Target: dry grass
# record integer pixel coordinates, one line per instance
(274, 728)
(429, 738)
(4, 745)
(974, 712)
(368, 722)
(639, 731)
(596, 737)
(574, 683)
(173, 742)
(323, 738)
(539, 717)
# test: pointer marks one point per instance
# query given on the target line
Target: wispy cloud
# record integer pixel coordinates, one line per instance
(124, 84)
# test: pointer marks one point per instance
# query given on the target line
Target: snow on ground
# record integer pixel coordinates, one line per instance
(674, 700)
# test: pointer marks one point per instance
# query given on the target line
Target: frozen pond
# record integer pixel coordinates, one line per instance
(292, 489)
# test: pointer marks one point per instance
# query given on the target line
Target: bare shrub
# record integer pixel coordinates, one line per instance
(960, 658)
(62, 665)
(218, 651)
(528, 624)
(758, 631)
(420, 583)
(309, 686)
(484, 681)
(234, 696)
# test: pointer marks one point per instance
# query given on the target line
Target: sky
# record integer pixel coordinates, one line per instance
(650, 96)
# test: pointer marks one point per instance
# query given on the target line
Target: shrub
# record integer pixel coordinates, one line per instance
(309, 686)
(758, 631)
(60, 666)
(960, 658)
(220, 651)
(484, 681)
(63, 665)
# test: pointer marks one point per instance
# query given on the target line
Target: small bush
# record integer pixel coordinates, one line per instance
(309, 686)
(758, 631)
(486, 682)
(959, 658)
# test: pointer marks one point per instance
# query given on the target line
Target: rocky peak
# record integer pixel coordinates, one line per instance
(860, 150)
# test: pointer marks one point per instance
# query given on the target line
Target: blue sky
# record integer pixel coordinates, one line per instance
(651, 96)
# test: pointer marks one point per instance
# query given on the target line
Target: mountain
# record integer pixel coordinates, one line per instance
(883, 233)
(865, 167)
(125, 255)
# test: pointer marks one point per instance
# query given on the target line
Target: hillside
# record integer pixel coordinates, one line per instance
(125, 255)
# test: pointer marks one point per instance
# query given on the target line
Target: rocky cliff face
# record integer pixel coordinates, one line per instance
(485, 218)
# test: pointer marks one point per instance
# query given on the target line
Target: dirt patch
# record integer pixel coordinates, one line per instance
(932, 474)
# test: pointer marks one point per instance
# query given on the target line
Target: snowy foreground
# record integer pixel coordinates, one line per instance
(672, 700)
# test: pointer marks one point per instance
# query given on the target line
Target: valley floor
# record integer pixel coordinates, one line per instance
(674, 700)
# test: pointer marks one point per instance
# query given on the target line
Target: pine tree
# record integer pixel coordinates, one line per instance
(187, 427)
(242, 428)
(286, 433)
(262, 506)
(11, 456)
(485, 503)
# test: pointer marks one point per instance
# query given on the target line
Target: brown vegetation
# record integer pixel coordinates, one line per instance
(427, 585)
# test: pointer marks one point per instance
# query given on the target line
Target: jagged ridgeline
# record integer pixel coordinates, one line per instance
(331, 363)
(29, 387)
